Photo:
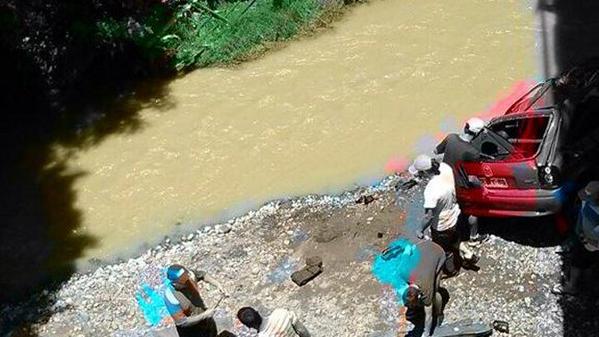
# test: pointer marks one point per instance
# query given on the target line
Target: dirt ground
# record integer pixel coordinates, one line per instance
(254, 255)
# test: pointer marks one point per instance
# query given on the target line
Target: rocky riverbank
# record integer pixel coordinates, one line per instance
(254, 255)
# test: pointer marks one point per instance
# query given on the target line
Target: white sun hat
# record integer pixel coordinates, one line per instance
(421, 163)
(474, 125)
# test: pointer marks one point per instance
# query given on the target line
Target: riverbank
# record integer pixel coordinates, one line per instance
(254, 255)
(83, 82)
(189, 34)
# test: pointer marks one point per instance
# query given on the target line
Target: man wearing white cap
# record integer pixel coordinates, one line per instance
(441, 209)
(457, 149)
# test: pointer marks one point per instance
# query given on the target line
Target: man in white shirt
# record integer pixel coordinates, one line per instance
(280, 323)
(441, 210)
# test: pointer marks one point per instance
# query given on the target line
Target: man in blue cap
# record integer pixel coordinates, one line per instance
(185, 305)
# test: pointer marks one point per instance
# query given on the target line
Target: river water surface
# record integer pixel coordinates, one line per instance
(320, 115)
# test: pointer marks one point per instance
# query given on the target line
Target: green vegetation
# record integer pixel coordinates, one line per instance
(191, 34)
(61, 57)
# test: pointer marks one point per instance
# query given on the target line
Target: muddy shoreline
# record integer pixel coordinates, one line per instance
(183, 232)
(253, 256)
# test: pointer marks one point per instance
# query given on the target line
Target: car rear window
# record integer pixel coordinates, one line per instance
(539, 97)
(524, 133)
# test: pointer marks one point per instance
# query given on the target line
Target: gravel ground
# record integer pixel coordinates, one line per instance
(254, 255)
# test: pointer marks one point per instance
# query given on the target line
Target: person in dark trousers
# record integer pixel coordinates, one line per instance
(424, 298)
(185, 305)
(457, 149)
(441, 211)
(280, 323)
(585, 251)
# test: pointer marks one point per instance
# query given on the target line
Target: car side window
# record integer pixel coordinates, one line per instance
(525, 134)
(491, 145)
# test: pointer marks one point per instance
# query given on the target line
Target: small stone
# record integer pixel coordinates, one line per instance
(223, 229)
(306, 274)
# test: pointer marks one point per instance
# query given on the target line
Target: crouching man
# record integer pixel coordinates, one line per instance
(424, 297)
(184, 303)
(280, 323)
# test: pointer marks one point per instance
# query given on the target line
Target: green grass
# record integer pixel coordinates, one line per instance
(195, 36)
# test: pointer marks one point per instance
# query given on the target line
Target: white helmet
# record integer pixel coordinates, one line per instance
(474, 126)
(421, 163)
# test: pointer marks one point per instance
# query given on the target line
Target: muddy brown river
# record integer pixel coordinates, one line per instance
(320, 115)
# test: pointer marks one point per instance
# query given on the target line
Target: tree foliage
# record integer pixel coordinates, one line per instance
(63, 53)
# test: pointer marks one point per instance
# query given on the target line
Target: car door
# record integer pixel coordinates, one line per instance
(500, 180)
(502, 165)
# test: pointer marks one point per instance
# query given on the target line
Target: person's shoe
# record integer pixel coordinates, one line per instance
(473, 260)
(559, 289)
(478, 240)
(470, 264)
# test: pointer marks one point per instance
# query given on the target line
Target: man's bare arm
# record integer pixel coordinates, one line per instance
(427, 220)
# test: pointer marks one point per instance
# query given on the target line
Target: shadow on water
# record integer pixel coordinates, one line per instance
(40, 234)
(569, 33)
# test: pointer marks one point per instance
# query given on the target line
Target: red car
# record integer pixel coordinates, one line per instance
(537, 153)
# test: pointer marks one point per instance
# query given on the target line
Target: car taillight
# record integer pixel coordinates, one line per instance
(549, 176)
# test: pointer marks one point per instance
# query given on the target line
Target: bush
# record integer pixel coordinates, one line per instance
(194, 35)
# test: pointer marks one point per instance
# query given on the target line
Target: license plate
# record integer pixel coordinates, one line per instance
(495, 182)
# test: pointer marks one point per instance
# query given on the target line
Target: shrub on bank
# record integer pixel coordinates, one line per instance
(208, 41)
(192, 34)
(63, 56)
